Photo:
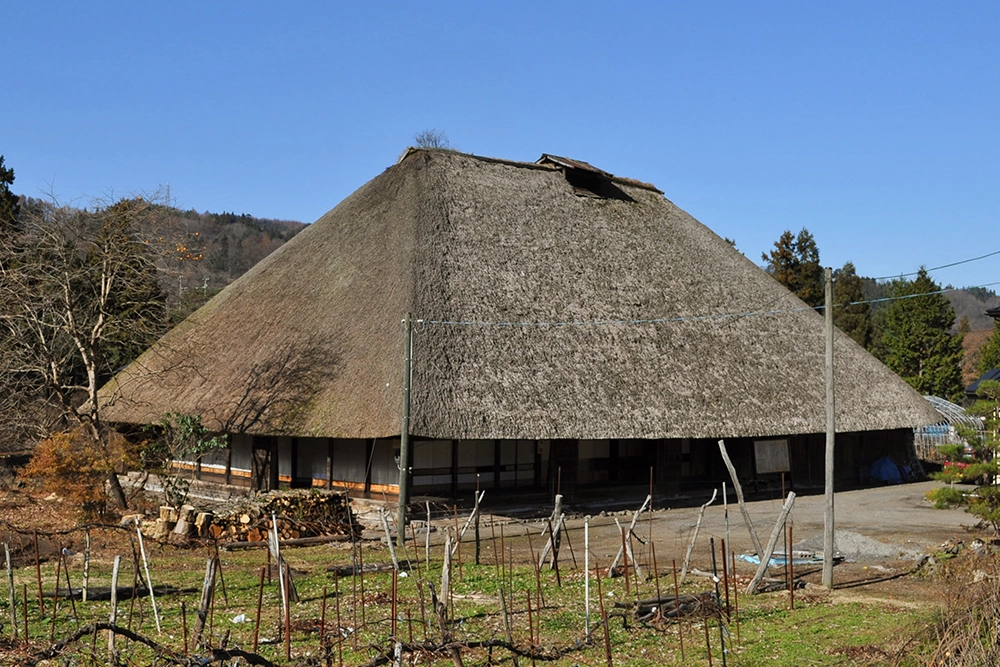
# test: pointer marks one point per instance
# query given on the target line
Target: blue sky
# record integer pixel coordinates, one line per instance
(874, 125)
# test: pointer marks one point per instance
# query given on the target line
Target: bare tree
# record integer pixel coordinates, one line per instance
(431, 139)
(78, 299)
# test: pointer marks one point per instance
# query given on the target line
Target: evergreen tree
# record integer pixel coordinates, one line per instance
(989, 354)
(854, 320)
(9, 204)
(794, 263)
(915, 339)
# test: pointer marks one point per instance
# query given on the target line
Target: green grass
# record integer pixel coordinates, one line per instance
(817, 632)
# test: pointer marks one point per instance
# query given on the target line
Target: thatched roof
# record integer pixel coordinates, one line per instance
(496, 257)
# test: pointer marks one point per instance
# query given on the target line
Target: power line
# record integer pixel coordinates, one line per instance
(675, 320)
(943, 266)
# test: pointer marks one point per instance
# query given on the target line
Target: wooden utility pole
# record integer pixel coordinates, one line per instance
(831, 429)
(404, 434)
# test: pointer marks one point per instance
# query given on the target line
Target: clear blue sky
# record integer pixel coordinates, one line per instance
(874, 125)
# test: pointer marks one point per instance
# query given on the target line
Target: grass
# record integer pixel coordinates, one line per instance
(817, 632)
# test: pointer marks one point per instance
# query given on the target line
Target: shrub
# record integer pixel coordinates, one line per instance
(946, 496)
(73, 465)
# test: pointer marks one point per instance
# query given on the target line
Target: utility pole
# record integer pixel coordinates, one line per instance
(831, 429)
(404, 434)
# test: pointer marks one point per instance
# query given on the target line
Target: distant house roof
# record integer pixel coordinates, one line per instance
(994, 313)
(973, 389)
(543, 314)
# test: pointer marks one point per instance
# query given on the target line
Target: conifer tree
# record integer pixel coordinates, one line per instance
(794, 263)
(915, 339)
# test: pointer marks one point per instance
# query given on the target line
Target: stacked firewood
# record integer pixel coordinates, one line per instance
(299, 514)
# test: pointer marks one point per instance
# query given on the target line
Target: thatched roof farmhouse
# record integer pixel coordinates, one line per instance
(565, 319)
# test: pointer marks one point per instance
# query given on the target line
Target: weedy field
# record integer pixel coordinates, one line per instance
(347, 605)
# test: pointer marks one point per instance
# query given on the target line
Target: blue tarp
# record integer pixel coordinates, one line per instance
(884, 470)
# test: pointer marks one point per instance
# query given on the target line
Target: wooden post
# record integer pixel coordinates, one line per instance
(775, 534)
(739, 495)
(206, 598)
(831, 429)
(113, 616)
(694, 537)
(404, 434)
(631, 527)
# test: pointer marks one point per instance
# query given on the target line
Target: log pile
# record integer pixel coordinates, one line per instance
(299, 515)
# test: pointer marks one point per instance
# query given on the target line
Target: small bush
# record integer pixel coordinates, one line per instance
(946, 496)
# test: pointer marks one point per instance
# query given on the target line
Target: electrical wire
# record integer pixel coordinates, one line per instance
(943, 266)
(673, 320)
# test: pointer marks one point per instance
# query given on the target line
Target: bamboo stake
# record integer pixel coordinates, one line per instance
(149, 580)
(736, 598)
(506, 621)
(288, 613)
(113, 615)
(694, 536)
(604, 618)
(680, 621)
(86, 565)
(69, 588)
(184, 626)
(775, 534)
(389, 540)
(708, 644)
(715, 576)
(38, 577)
(569, 542)
(260, 600)
(625, 559)
(427, 535)
(24, 612)
(12, 592)
(791, 570)
(586, 576)
(55, 601)
(725, 577)
(336, 603)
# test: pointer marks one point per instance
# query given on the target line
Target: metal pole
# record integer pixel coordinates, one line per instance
(828, 524)
(404, 435)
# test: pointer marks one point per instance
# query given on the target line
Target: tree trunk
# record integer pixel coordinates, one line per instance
(116, 491)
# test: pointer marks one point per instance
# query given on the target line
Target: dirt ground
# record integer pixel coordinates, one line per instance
(882, 532)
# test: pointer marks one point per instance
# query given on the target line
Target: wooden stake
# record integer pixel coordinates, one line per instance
(635, 520)
(24, 612)
(694, 536)
(769, 550)
(207, 587)
(625, 559)
(149, 580)
(736, 598)
(288, 613)
(113, 615)
(708, 645)
(739, 495)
